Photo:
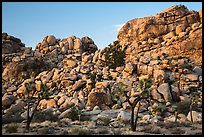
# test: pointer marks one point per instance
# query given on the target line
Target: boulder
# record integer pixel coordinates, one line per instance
(47, 103)
(124, 116)
(71, 63)
(129, 68)
(192, 77)
(8, 99)
(78, 44)
(180, 28)
(51, 40)
(98, 99)
(164, 89)
(197, 117)
(200, 15)
(38, 85)
(70, 43)
(197, 70)
(18, 106)
(159, 75)
(78, 84)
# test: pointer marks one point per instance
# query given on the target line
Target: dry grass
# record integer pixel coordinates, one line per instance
(177, 131)
(151, 129)
(79, 131)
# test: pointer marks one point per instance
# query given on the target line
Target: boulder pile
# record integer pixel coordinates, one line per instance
(166, 47)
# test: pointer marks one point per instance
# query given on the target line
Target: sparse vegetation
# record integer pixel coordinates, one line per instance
(80, 131)
(74, 114)
(11, 128)
(177, 131)
(151, 129)
(44, 130)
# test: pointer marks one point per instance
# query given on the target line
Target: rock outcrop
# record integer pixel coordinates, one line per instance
(166, 47)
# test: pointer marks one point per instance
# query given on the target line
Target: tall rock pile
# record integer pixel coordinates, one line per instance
(166, 47)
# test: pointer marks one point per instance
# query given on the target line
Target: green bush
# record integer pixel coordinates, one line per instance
(114, 56)
(74, 113)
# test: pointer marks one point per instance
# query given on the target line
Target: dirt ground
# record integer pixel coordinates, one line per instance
(92, 128)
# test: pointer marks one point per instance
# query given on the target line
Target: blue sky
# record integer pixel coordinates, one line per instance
(101, 21)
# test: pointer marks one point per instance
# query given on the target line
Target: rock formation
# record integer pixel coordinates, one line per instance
(166, 47)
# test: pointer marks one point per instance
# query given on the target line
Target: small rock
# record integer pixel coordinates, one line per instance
(71, 63)
(124, 116)
(192, 77)
(78, 84)
(96, 108)
(11, 89)
(197, 117)
(198, 70)
(8, 99)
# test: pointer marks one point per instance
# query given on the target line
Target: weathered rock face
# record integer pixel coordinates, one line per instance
(174, 18)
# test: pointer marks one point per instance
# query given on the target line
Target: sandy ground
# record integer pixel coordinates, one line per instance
(92, 128)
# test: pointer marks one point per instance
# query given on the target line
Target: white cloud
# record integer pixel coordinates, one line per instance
(118, 26)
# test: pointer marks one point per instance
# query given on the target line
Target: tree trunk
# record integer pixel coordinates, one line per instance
(176, 116)
(137, 116)
(132, 119)
(28, 114)
(29, 118)
(191, 107)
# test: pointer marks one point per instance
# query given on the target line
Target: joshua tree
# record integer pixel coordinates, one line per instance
(30, 89)
(194, 101)
(143, 93)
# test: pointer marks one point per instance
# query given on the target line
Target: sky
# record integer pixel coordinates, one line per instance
(101, 21)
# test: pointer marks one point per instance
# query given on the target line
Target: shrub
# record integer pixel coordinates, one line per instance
(11, 128)
(151, 129)
(74, 113)
(44, 130)
(105, 120)
(114, 56)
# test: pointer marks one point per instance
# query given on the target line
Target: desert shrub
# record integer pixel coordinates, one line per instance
(79, 131)
(104, 120)
(45, 130)
(177, 131)
(11, 128)
(114, 56)
(9, 118)
(103, 131)
(151, 129)
(170, 125)
(74, 113)
(183, 107)
(116, 132)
